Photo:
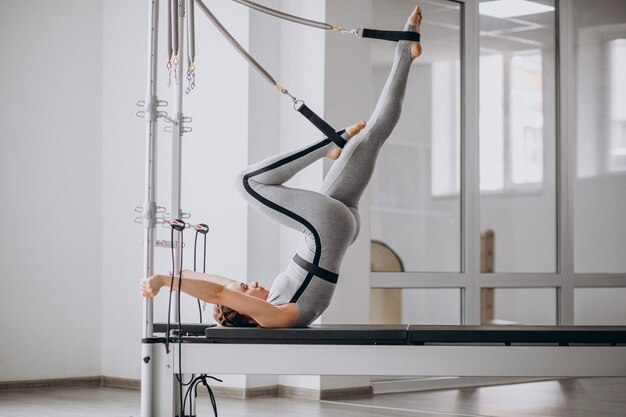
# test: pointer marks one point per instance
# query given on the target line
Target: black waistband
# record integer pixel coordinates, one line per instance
(316, 270)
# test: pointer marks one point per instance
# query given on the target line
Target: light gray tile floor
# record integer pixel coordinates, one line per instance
(589, 397)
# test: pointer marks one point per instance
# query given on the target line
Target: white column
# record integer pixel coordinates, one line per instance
(332, 73)
(347, 100)
(302, 73)
(263, 234)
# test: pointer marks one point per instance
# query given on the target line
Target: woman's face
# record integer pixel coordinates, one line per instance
(255, 289)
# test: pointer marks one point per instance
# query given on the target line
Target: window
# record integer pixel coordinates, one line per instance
(526, 119)
(511, 121)
(517, 137)
(446, 127)
(617, 146)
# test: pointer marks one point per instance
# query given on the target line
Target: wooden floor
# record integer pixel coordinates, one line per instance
(589, 397)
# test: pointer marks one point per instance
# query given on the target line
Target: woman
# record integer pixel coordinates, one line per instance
(329, 219)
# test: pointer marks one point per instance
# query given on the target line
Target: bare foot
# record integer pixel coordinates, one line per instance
(351, 132)
(415, 19)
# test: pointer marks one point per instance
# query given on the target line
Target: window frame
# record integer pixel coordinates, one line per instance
(469, 279)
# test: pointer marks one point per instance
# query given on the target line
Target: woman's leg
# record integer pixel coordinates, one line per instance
(281, 168)
(352, 171)
(327, 224)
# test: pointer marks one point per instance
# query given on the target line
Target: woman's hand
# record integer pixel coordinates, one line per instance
(150, 287)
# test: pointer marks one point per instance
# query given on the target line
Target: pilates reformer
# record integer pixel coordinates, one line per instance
(321, 350)
(180, 13)
(527, 351)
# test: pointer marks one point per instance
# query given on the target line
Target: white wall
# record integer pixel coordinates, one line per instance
(123, 83)
(50, 182)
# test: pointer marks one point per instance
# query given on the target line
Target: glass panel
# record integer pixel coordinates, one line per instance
(528, 306)
(518, 133)
(600, 180)
(415, 306)
(431, 306)
(415, 202)
(600, 306)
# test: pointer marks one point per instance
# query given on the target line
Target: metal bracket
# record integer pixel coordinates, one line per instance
(166, 218)
(164, 244)
(183, 120)
(149, 212)
(150, 107)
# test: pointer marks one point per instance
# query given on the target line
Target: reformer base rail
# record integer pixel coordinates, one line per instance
(541, 351)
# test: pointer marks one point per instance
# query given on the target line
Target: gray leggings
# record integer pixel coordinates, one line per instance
(329, 219)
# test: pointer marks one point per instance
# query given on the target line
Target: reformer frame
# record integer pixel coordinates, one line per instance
(327, 350)
(523, 351)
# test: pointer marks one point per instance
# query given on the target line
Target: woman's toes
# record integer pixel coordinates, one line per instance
(415, 19)
(351, 132)
(355, 129)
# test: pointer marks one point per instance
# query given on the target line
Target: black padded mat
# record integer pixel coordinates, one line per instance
(315, 334)
(562, 335)
(403, 334)
(188, 329)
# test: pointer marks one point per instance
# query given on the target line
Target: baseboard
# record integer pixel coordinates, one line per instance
(346, 393)
(327, 394)
(95, 381)
(220, 392)
(244, 393)
(124, 383)
(297, 392)
(417, 384)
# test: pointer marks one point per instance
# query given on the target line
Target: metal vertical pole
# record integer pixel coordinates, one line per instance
(149, 207)
(177, 133)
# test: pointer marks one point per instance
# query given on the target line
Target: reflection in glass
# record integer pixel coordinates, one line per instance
(600, 141)
(517, 133)
(491, 115)
(415, 199)
(526, 118)
(617, 147)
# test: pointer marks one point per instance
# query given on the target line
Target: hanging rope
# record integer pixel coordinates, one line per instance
(191, 48)
(200, 229)
(174, 39)
(170, 49)
(285, 16)
(387, 35)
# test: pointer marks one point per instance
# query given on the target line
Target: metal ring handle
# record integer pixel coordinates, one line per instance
(297, 104)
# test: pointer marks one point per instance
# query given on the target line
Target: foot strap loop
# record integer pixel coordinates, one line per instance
(389, 35)
(319, 123)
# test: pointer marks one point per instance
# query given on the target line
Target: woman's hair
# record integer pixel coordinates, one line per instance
(231, 318)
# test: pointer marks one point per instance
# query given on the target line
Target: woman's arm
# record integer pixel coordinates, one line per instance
(202, 289)
(208, 277)
(262, 312)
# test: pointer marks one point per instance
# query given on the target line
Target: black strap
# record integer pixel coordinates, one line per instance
(390, 35)
(324, 274)
(319, 123)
